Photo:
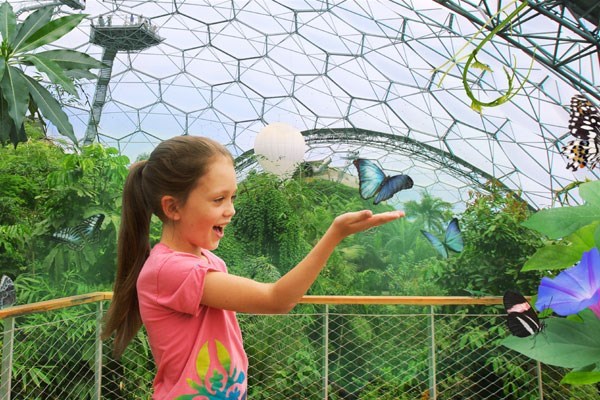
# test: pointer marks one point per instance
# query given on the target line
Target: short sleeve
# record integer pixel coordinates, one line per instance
(180, 283)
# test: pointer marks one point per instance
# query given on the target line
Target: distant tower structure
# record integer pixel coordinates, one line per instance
(114, 38)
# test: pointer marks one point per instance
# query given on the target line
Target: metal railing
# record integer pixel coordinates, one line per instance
(329, 348)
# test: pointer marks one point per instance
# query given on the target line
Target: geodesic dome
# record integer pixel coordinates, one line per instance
(359, 79)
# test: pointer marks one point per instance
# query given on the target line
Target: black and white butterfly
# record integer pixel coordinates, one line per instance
(7, 292)
(75, 237)
(522, 319)
(372, 181)
(584, 124)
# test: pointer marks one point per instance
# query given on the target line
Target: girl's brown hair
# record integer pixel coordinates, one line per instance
(173, 168)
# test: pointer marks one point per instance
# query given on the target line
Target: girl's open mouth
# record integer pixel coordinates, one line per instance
(219, 231)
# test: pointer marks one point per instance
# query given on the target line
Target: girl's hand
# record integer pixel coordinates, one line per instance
(353, 222)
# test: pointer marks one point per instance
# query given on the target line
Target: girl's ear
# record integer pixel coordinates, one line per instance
(170, 208)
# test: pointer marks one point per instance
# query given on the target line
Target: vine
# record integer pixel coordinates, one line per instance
(472, 61)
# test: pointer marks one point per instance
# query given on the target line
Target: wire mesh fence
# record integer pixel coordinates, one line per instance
(317, 352)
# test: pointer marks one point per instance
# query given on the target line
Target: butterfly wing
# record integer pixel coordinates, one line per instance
(393, 185)
(584, 121)
(584, 124)
(77, 236)
(581, 153)
(90, 227)
(522, 320)
(7, 292)
(70, 237)
(453, 238)
(437, 244)
(370, 177)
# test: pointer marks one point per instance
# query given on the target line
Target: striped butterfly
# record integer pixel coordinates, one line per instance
(584, 124)
(522, 319)
(77, 236)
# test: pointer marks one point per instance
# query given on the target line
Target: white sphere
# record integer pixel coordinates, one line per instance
(279, 148)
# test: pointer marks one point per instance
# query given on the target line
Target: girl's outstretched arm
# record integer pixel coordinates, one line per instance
(235, 293)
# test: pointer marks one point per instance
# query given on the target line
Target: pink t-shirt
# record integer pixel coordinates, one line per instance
(198, 349)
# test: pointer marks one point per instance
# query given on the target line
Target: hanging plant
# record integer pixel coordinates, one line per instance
(473, 62)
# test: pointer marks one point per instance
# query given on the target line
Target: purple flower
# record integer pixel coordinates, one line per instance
(574, 289)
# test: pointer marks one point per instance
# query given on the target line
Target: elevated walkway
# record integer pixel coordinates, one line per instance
(132, 33)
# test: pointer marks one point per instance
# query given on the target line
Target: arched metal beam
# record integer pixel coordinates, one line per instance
(400, 144)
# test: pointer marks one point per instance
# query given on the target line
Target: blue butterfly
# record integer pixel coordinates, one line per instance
(452, 239)
(76, 237)
(372, 181)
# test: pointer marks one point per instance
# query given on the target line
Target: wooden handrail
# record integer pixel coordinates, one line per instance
(71, 301)
(403, 300)
(54, 304)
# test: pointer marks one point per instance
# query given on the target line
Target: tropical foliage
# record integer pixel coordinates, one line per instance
(46, 186)
(20, 92)
(573, 238)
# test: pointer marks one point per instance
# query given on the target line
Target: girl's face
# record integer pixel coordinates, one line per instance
(200, 223)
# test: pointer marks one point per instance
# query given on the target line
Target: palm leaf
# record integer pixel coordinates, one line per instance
(14, 91)
(8, 22)
(8, 130)
(6, 123)
(50, 32)
(70, 59)
(31, 24)
(53, 71)
(80, 74)
(18, 135)
(50, 108)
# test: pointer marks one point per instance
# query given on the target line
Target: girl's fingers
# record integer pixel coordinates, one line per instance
(366, 219)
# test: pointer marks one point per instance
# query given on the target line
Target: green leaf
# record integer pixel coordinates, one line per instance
(80, 74)
(17, 135)
(31, 24)
(3, 66)
(8, 22)
(6, 123)
(585, 376)
(552, 257)
(482, 66)
(14, 90)
(71, 59)
(50, 108)
(590, 192)
(50, 32)
(560, 222)
(53, 71)
(560, 256)
(563, 343)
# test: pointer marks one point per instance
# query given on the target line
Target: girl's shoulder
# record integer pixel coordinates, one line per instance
(162, 255)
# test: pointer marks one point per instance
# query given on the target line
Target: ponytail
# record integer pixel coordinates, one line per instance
(123, 316)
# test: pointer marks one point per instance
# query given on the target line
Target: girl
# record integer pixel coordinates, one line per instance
(181, 291)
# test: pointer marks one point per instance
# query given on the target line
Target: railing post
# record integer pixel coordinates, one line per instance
(326, 353)
(98, 353)
(540, 380)
(432, 364)
(7, 356)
